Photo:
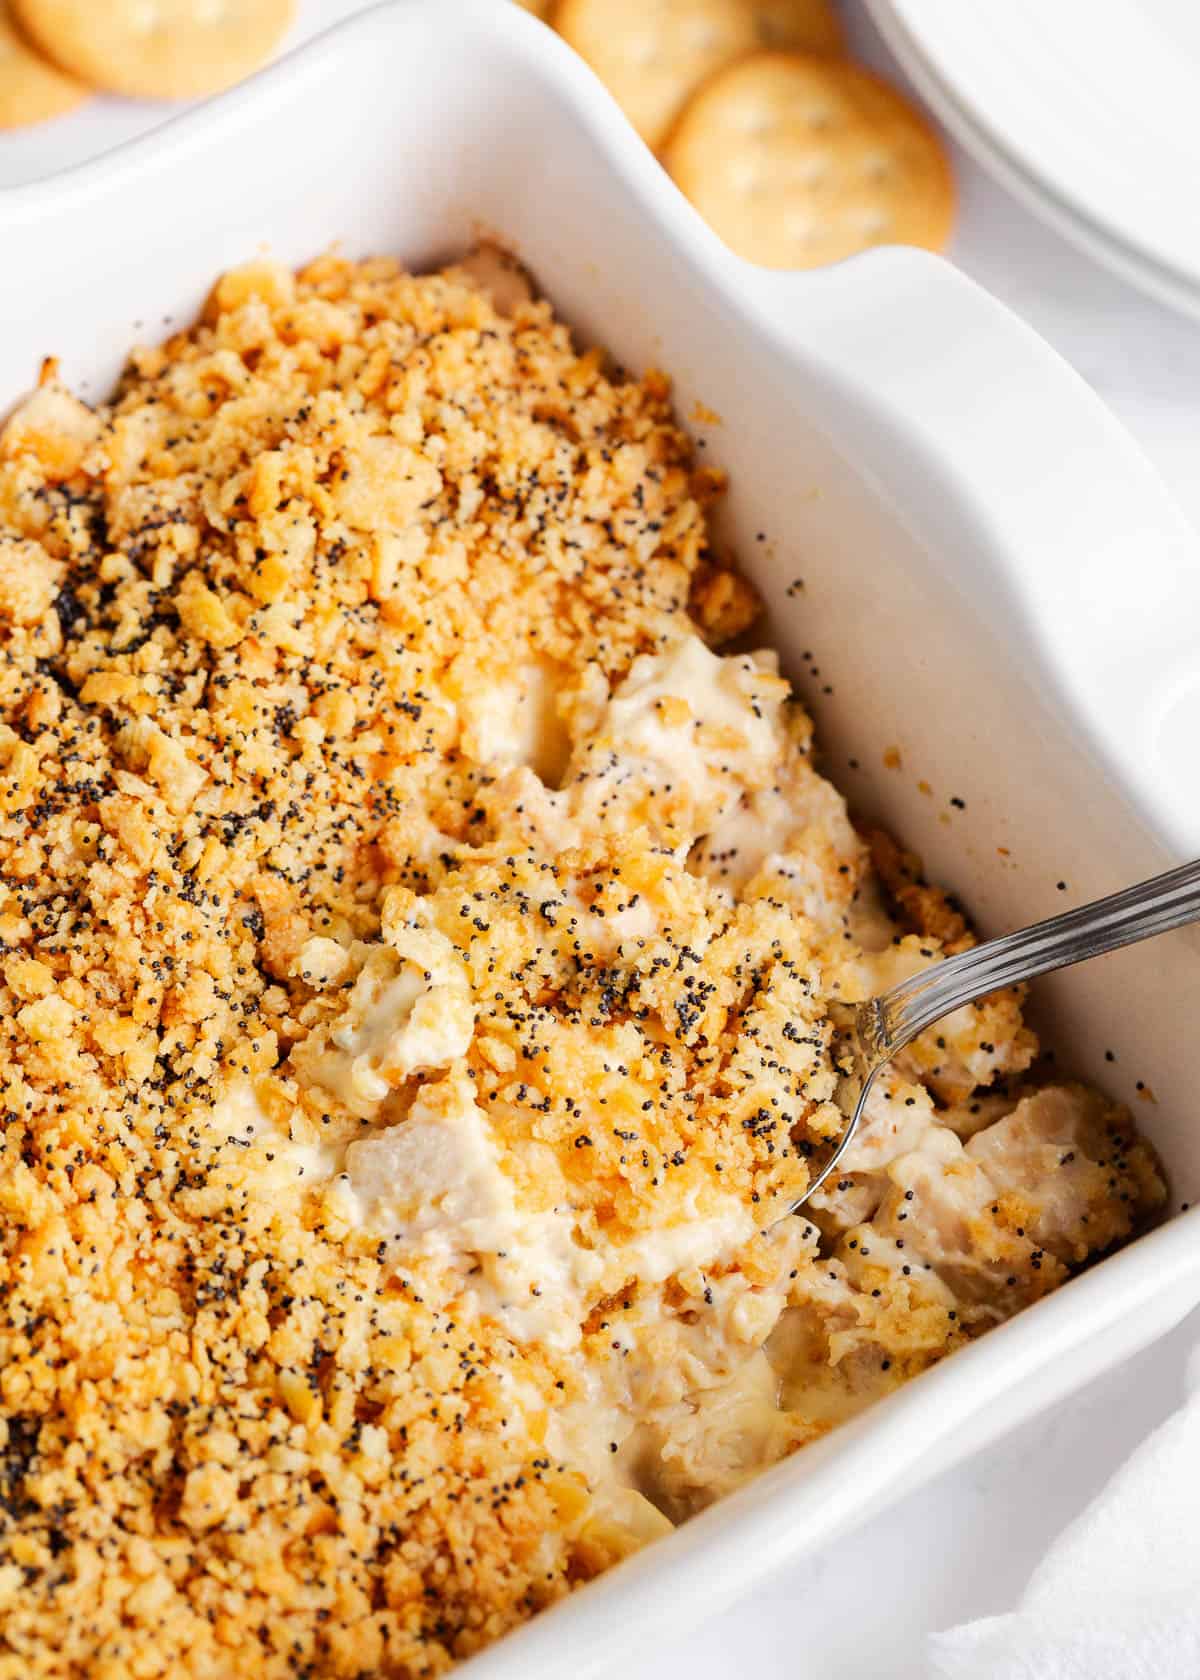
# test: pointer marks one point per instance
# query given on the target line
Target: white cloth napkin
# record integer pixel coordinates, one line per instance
(1117, 1597)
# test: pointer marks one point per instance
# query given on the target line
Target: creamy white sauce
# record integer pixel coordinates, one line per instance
(737, 696)
(746, 837)
(409, 1011)
(239, 1116)
(435, 1186)
(517, 723)
(685, 726)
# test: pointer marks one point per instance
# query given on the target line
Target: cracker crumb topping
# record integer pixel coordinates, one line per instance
(414, 941)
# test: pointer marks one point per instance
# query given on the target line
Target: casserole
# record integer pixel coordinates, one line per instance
(939, 464)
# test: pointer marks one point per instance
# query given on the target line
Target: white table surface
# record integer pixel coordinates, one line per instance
(964, 1546)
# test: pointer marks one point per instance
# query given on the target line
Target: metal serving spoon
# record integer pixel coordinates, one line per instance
(871, 1033)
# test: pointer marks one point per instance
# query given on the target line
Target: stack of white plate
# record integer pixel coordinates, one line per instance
(1087, 109)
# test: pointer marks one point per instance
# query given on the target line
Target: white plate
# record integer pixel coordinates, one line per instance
(1088, 109)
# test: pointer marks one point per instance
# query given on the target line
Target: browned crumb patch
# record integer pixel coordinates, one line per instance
(251, 612)
(926, 909)
(235, 602)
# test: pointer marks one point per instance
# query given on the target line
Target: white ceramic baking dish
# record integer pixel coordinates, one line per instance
(995, 585)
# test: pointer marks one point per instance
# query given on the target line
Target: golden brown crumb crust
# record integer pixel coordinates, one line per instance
(928, 910)
(233, 601)
(245, 608)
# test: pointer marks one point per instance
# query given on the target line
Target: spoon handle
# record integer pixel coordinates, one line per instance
(1156, 906)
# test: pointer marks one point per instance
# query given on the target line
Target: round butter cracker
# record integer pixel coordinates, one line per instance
(30, 89)
(650, 54)
(798, 161)
(156, 49)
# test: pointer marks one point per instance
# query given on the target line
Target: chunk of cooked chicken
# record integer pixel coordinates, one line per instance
(1069, 1169)
(943, 1212)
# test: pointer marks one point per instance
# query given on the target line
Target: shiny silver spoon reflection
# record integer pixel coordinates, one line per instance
(871, 1033)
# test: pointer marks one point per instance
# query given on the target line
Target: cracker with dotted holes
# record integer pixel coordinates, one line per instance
(156, 49)
(798, 161)
(30, 89)
(651, 54)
